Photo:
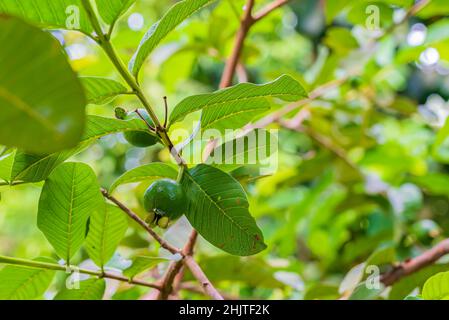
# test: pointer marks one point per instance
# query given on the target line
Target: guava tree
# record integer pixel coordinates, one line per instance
(344, 195)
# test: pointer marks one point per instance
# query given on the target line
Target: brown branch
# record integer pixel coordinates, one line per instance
(413, 265)
(142, 223)
(269, 8)
(167, 283)
(198, 273)
(231, 64)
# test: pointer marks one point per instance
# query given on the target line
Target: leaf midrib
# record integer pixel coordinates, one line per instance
(218, 207)
(69, 226)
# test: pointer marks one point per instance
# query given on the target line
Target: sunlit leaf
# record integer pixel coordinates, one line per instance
(65, 14)
(91, 289)
(24, 283)
(41, 98)
(107, 227)
(71, 194)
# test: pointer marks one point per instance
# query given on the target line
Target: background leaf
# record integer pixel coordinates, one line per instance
(147, 172)
(69, 196)
(175, 15)
(218, 210)
(41, 98)
(106, 229)
(24, 283)
(91, 289)
(101, 90)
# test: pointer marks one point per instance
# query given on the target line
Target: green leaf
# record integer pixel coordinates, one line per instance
(141, 264)
(149, 172)
(218, 209)
(175, 15)
(364, 292)
(41, 98)
(334, 8)
(437, 287)
(102, 90)
(236, 106)
(254, 148)
(69, 196)
(65, 14)
(24, 283)
(111, 10)
(91, 289)
(407, 284)
(32, 168)
(106, 229)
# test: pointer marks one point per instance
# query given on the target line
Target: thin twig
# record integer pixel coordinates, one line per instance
(415, 264)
